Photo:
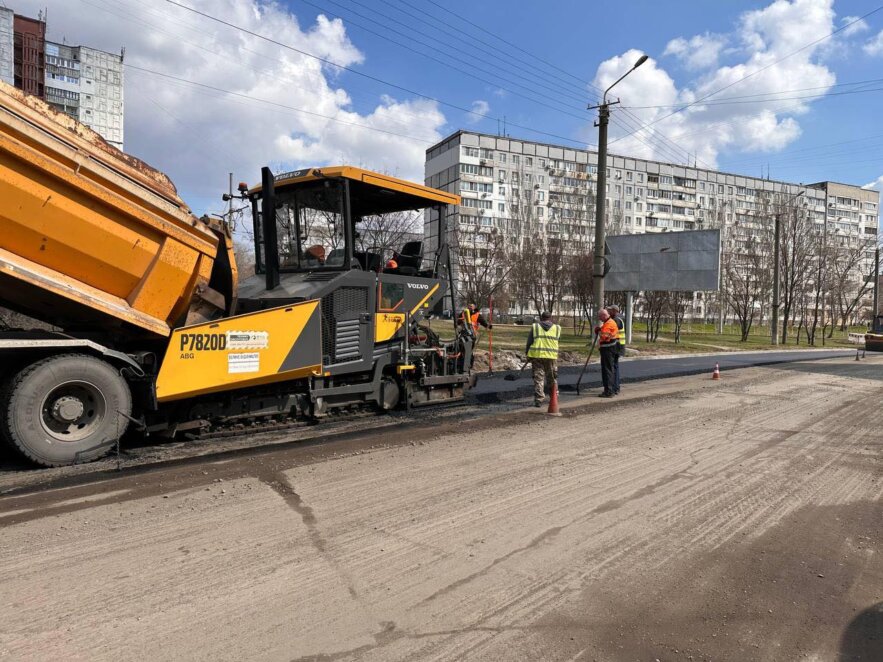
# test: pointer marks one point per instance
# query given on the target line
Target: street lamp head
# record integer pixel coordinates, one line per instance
(641, 60)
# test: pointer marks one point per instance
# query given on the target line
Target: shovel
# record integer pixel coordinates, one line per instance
(512, 376)
(586, 364)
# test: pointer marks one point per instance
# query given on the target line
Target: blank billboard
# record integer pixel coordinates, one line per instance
(668, 262)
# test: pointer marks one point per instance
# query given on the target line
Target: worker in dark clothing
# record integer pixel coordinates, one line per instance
(620, 326)
(542, 352)
(608, 343)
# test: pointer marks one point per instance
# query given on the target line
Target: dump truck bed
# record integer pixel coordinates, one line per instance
(91, 237)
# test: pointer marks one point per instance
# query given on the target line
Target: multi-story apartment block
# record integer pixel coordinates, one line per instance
(87, 84)
(7, 46)
(521, 188)
(82, 82)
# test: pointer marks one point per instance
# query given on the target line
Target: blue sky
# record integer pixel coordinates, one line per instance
(576, 36)
(204, 99)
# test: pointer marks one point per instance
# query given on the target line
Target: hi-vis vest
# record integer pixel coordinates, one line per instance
(470, 319)
(621, 326)
(545, 343)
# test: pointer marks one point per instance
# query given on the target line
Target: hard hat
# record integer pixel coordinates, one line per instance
(392, 264)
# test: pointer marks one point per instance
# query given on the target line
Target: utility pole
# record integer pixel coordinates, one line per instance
(601, 193)
(876, 283)
(774, 322)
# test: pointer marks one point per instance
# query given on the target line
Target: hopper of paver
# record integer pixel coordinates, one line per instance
(92, 239)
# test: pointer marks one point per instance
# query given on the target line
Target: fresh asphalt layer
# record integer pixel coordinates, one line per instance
(495, 387)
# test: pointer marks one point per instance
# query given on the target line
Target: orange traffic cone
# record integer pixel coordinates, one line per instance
(717, 372)
(553, 400)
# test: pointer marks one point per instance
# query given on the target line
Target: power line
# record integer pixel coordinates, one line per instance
(660, 139)
(766, 94)
(757, 71)
(363, 74)
(276, 104)
(465, 72)
(313, 76)
(746, 101)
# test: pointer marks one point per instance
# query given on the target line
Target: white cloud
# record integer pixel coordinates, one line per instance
(698, 52)
(856, 25)
(480, 108)
(877, 184)
(767, 35)
(874, 45)
(197, 135)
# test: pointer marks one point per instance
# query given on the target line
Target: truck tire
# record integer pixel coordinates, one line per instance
(64, 409)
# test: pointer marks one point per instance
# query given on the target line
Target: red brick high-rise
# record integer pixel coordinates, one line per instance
(30, 44)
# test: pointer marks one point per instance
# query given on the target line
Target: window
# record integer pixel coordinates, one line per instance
(487, 153)
(540, 212)
(628, 204)
(640, 192)
(476, 203)
(541, 179)
(470, 169)
(701, 186)
(470, 151)
(628, 190)
(628, 175)
(528, 161)
(720, 189)
(392, 295)
(729, 190)
(639, 206)
(516, 159)
(618, 189)
(542, 163)
(501, 206)
(501, 157)
(501, 190)
(638, 220)
(640, 177)
(541, 195)
(501, 175)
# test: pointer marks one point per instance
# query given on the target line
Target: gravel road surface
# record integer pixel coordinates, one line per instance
(686, 520)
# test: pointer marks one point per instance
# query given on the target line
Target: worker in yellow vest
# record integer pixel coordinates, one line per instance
(542, 352)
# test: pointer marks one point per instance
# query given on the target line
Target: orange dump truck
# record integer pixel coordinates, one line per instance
(143, 322)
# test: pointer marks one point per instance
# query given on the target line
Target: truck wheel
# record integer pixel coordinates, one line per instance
(65, 409)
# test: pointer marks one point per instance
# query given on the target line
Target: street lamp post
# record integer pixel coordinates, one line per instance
(774, 322)
(601, 195)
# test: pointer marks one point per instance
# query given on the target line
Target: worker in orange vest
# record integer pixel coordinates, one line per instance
(608, 342)
(472, 319)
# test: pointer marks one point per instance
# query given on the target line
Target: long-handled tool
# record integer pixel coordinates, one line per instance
(512, 376)
(586, 364)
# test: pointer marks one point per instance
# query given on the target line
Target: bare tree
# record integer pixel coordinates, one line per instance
(678, 304)
(481, 263)
(749, 279)
(653, 306)
(581, 282)
(848, 283)
(796, 251)
(385, 233)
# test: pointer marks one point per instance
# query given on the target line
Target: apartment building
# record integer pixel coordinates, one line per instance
(80, 81)
(7, 45)
(522, 188)
(87, 84)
